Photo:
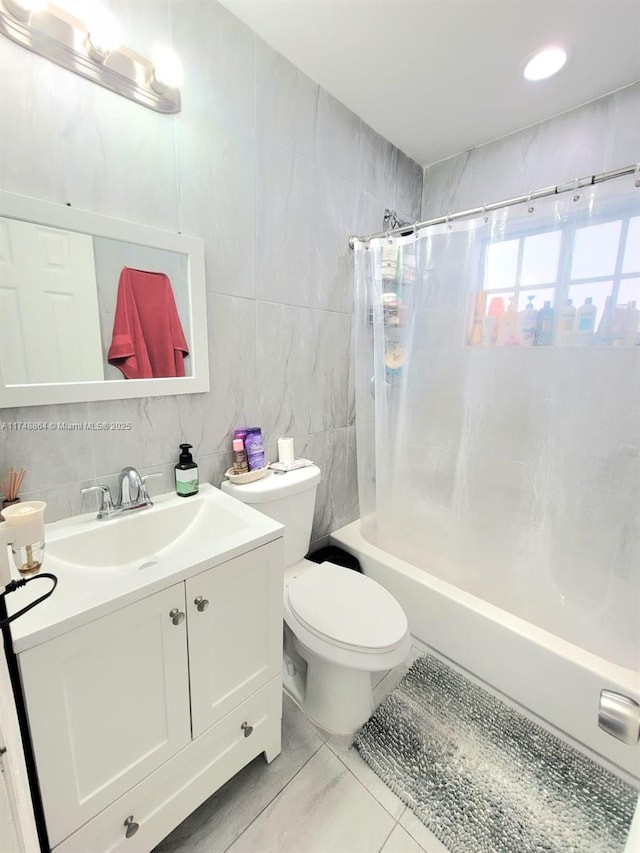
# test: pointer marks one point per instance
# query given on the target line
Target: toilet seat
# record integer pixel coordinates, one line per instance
(346, 609)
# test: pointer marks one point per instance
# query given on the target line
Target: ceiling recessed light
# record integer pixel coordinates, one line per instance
(545, 63)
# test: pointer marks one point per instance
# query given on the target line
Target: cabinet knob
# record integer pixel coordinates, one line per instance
(201, 603)
(246, 728)
(132, 827)
(176, 616)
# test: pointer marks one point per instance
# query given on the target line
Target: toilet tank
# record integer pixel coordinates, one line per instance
(288, 498)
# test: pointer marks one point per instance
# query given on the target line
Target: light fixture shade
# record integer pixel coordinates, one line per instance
(105, 34)
(31, 5)
(545, 63)
(167, 69)
(23, 9)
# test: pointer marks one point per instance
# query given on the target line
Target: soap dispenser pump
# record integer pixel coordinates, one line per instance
(186, 472)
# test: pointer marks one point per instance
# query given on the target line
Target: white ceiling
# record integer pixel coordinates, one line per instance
(437, 77)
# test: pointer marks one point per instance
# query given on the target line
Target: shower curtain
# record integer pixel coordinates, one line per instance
(498, 408)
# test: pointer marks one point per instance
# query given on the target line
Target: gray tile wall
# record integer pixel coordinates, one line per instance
(274, 174)
(594, 138)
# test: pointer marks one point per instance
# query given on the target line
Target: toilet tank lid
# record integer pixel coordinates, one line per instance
(274, 486)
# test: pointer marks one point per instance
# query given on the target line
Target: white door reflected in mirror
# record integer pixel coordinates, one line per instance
(48, 305)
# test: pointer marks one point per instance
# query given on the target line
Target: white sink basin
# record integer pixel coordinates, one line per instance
(181, 528)
(102, 566)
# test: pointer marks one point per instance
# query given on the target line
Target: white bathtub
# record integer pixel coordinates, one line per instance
(549, 677)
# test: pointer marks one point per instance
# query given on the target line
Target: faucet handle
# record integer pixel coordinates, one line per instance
(144, 494)
(106, 503)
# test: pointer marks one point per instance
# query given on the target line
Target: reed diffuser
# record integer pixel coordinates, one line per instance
(10, 485)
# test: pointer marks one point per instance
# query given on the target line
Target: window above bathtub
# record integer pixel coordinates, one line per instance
(563, 281)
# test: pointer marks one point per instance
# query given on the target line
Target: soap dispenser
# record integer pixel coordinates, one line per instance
(186, 472)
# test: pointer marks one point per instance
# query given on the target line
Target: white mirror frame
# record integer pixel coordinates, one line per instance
(14, 206)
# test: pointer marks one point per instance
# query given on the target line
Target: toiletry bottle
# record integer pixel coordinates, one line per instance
(585, 323)
(186, 472)
(631, 335)
(619, 326)
(475, 338)
(566, 322)
(604, 334)
(508, 328)
(240, 465)
(389, 263)
(527, 323)
(544, 326)
(491, 322)
(254, 445)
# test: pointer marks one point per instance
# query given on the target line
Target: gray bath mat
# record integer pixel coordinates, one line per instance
(485, 779)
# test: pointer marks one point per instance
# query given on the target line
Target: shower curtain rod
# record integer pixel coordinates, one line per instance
(578, 183)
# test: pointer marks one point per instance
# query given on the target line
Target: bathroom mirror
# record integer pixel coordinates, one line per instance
(94, 308)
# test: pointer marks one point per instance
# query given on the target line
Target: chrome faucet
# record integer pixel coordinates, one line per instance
(133, 494)
(130, 487)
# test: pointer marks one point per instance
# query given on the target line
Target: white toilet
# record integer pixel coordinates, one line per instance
(340, 626)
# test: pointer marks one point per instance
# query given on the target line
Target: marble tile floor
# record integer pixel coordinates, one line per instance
(318, 796)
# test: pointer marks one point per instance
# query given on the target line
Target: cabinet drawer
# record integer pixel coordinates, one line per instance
(164, 799)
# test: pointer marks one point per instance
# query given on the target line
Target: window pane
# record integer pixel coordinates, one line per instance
(540, 258)
(502, 262)
(629, 291)
(631, 262)
(596, 250)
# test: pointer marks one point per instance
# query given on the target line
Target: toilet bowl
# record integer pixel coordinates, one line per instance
(339, 625)
(343, 627)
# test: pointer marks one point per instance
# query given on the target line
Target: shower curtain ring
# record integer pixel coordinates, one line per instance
(529, 205)
(637, 180)
(447, 222)
(389, 240)
(484, 212)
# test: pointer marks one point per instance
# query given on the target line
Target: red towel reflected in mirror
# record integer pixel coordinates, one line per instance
(148, 341)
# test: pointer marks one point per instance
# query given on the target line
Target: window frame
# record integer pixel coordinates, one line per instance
(568, 227)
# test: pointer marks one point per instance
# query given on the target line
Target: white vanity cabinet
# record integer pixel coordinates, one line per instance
(233, 647)
(138, 716)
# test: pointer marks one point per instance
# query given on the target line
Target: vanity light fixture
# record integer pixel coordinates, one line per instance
(23, 9)
(93, 50)
(545, 63)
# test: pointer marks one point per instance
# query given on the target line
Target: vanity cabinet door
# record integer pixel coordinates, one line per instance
(108, 703)
(235, 631)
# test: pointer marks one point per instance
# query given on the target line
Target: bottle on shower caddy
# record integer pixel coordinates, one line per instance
(390, 262)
